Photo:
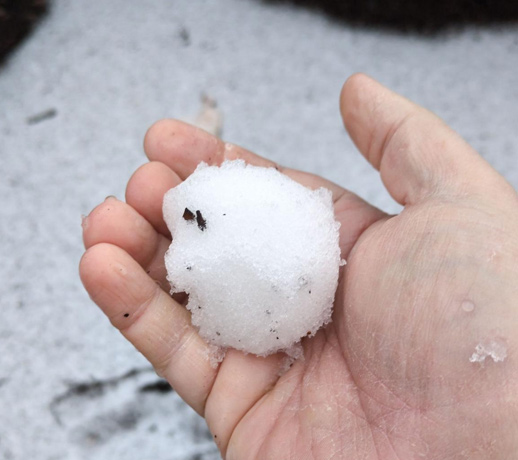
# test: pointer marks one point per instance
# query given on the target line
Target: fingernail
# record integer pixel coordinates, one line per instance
(112, 197)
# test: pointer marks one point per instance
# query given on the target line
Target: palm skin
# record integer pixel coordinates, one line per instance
(391, 376)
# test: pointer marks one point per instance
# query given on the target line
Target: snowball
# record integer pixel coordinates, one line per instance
(257, 253)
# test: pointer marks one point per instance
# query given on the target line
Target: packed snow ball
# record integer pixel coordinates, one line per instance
(257, 253)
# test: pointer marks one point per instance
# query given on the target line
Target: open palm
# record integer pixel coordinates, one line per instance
(419, 361)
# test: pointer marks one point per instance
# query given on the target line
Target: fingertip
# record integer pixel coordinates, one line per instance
(181, 146)
(146, 189)
(88, 269)
(352, 104)
(351, 86)
(88, 264)
(116, 283)
(362, 103)
(81, 265)
(156, 133)
(119, 224)
(353, 91)
(95, 219)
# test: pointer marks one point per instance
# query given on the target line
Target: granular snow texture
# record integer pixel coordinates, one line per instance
(257, 253)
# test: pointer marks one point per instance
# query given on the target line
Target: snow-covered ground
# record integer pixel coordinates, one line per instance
(75, 102)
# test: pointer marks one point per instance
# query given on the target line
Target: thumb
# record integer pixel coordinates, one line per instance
(417, 154)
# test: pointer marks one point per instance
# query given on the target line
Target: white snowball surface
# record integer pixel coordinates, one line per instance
(257, 253)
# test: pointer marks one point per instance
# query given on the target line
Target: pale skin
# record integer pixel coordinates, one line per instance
(391, 377)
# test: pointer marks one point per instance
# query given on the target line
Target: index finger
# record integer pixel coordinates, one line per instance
(182, 147)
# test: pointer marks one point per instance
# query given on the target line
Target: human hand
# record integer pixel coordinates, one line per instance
(420, 359)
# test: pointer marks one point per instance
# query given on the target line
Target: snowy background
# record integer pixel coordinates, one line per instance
(75, 102)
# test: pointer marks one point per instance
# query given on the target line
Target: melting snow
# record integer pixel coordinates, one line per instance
(494, 349)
